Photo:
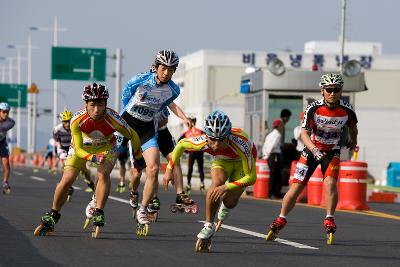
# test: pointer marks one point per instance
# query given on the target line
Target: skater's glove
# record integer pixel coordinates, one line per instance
(139, 164)
(318, 154)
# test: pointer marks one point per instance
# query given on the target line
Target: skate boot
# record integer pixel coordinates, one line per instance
(6, 188)
(185, 204)
(70, 192)
(142, 226)
(153, 209)
(202, 187)
(89, 211)
(274, 228)
(223, 213)
(98, 221)
(188, 188)
(330, 228)
(203, 243)
(47, 223)
(120, 188)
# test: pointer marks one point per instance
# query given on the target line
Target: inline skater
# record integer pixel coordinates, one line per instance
(62, 138)
(93, 140)
(122, 159)
(6, 124)
(49, 155)
(234, 161)
(194, 156)
(143, 97)
(324, 119)
(166, 144)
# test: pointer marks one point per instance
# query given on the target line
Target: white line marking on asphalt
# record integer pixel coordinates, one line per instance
(119, 199)
(40, 179)
(279, 240)
(18, 173)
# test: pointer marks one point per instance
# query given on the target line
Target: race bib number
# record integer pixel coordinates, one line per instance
(301, 171)
(143, 112)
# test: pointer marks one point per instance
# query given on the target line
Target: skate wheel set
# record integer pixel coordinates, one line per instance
(174, 208)
(6, 191)
(218, 225)
(86, 224)
(142, 229)
(329, 238)
(271, 236)
(203, 245)
(95, 231)
(43, 230)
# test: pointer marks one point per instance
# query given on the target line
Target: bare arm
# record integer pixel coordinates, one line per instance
(353, 131)
(179, 113)
(306, 139)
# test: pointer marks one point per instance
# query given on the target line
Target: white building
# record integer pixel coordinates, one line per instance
(210, 79)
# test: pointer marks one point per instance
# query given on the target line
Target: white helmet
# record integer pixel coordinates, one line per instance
(168, 58)
(217, 125)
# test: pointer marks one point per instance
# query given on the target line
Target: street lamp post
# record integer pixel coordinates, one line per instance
(55, 29)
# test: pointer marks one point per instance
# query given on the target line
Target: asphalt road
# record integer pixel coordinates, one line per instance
(362, 239)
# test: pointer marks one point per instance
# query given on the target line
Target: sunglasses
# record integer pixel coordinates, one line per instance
(216, 138)
(5, 111)
(333, 90)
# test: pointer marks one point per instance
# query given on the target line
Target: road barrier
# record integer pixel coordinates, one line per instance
(261, 186)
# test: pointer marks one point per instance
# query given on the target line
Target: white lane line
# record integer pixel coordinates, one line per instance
(40, 179)
(18, 173)
(119, 199)
(279, 240)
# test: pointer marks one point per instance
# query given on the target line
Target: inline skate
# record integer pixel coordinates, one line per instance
(330, 228)
(47, 224)
(274, 228)
(203, 243)
(185, 204)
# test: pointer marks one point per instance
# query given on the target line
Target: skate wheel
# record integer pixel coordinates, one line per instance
(188, 210)
(203, 245)
(96, 231)
(329, 239)
(69, 198)
(271, 236)
(173, 208)
(142, 230)
(86, 224)
(195, 209)
(42, 231)
(218, 226)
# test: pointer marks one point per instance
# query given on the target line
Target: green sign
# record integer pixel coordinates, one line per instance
(73, 63)
(14, 93)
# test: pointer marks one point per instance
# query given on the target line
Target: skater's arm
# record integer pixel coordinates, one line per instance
(78, 142)
(186, 144)
(179, 113)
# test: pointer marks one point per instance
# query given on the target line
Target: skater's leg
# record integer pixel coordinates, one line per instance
(135, 179)
(190, 167)
(218, 177)
(331, 195)
(289, 200)
(61, 192)
(152, 158)
(6, 168)
(103, 184)
(200, 166)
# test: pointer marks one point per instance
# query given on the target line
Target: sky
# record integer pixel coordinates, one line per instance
(141, 28)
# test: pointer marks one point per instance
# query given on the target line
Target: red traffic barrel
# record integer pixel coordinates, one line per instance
(314, 187)
(261, 186)
(353, 177)
(303, 195)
